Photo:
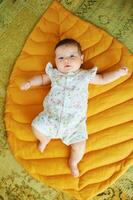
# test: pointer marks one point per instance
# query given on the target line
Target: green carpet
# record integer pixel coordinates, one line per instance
(17, 19)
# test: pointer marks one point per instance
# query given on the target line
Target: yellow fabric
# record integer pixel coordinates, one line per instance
(109, 147)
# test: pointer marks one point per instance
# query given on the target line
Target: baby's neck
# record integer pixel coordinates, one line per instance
(67, 73)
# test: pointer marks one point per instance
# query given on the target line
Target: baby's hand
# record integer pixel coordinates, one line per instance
(25, 85)
(123, 71)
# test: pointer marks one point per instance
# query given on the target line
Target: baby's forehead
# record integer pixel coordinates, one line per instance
(66, 48)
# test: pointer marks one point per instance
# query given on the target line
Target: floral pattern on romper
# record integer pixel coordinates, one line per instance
(65, 107)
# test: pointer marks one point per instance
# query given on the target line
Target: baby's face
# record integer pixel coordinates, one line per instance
(68, 58)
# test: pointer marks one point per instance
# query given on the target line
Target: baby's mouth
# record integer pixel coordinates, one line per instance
(67, 66)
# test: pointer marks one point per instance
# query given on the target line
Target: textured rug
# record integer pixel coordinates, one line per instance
(17, 19)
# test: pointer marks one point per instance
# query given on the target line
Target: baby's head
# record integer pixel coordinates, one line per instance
(68, 55)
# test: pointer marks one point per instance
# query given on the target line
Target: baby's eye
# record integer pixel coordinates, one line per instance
(60, 58)
(72, 56)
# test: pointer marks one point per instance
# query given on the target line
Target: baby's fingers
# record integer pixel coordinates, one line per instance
(125, 69)
(22, 87)
(25, 86)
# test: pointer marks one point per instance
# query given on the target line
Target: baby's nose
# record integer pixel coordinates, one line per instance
(66, 60)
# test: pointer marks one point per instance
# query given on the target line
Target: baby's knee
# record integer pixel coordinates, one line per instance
(35, 131)
(39, 135)
(79, 146)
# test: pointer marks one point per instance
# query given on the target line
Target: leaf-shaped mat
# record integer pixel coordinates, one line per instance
(109, 147)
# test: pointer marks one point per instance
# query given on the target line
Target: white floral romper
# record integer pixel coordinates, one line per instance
(65, 107)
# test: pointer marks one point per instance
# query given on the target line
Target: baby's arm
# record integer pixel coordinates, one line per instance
(108, 77)
(36, 81)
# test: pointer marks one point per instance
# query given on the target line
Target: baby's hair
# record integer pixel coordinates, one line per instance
(69, 41)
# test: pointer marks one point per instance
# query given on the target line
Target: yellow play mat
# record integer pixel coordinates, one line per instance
(109, 147)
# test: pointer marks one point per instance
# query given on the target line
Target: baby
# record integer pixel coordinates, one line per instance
(65, 107)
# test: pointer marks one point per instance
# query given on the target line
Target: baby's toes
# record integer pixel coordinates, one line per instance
(74, 170)
(41, 147)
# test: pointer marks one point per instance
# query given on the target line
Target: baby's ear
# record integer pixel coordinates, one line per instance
(82, 58)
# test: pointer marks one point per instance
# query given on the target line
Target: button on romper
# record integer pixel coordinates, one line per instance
(65, 107)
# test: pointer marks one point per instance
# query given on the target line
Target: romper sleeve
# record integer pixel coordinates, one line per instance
(49, 70)
(91, 73)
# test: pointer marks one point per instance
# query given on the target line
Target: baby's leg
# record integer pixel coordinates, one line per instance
(44, 140)
(77, 152)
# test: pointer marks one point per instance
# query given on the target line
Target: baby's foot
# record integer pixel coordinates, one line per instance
(41, 146)
(74, 170)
